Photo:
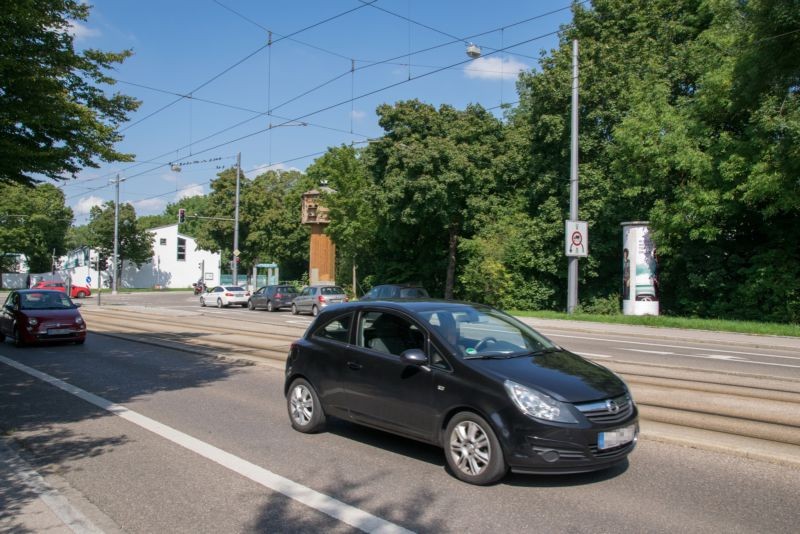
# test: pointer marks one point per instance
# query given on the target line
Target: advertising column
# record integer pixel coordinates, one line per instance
(639, 270)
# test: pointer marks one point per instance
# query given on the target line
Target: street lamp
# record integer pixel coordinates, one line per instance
(473, 51)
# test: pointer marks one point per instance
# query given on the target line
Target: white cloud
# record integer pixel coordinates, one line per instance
(85, 205)
(170, 177)
(494, 68)
(357, 114)
(148, 206)
(191, 190)
(81, 32)
(262, 168)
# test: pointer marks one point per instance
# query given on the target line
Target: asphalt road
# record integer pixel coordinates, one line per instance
(200, 445)
(723, 357)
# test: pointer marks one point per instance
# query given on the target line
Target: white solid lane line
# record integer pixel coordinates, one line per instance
(328, 505)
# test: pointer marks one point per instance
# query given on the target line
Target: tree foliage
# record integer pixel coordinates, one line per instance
(269, 220)
(54, 119)
(34, 222)
(134, 243)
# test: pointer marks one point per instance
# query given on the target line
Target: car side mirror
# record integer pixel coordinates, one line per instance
(413, 357)
(77, 304)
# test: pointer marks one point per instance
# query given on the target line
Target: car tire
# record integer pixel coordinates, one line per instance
(305, 410)
(19, 341)
(250, 305)
(202, 302)
(270, 307)
(81, 294)
(472, 450)
(219, 303)
(294, 310)
(314, 310)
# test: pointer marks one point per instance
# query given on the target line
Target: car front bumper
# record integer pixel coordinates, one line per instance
(540, 448)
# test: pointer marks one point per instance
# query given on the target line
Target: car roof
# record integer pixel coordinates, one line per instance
(408, 305)
(38, 290)
(402, 286)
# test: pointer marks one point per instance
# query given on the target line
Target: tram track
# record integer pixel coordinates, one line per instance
(715, 405)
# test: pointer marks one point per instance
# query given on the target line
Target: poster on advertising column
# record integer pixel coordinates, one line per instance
(639, 270)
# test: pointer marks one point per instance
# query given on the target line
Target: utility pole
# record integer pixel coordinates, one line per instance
(236, 222)
(116, 238)
(572, 273)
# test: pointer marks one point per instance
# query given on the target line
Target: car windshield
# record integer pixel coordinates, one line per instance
(413, 293)
(332, 291)
(45, 301)
(486, 333)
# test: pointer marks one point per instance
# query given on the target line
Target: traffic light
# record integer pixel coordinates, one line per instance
(181, 215)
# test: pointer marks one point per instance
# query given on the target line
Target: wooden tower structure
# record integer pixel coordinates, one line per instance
(322, 257)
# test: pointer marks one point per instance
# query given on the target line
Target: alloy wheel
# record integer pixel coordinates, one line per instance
(302, 405)
(470, 448)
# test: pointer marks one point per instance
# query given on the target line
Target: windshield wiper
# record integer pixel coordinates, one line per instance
(549, 350)
(487, 356)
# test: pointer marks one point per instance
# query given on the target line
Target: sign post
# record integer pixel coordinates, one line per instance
(576, 239)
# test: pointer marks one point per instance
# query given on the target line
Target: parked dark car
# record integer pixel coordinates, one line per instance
(312, 299)
(273, 298)
(490, 390)
(396, 291)
(39, 316)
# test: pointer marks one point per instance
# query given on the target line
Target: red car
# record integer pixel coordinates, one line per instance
(76, 292)
(39, 315)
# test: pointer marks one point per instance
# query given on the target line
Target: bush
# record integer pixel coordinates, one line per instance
(601, 305)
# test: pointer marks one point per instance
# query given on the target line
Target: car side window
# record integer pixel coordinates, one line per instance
(388, 333)
(337, 329)
(437, 360)
(304, 293)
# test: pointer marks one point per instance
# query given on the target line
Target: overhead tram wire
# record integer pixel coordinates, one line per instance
(363, 95)
(332, 106)
(225, 71)
(386, 61)
(466, 39)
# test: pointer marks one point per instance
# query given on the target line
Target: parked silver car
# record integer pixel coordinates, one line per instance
(225, 296)
(314, 298)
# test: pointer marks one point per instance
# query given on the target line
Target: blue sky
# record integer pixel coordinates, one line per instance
(180, 45)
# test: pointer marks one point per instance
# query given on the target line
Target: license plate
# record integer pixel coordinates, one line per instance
(615, 438)
(58, 331)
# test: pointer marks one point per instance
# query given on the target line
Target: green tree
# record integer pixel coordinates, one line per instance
(79, 236)
(433, 174)
(135, 244)
(34, 222)
(269, 220)
(272, 214)
(194, 206)
(54, 119)
(352, 213)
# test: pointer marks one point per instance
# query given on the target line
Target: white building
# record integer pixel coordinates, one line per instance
(176, 263)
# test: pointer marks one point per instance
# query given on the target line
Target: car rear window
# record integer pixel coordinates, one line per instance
(332, 291)
(413, 292)
(234, 288)
(286, 289)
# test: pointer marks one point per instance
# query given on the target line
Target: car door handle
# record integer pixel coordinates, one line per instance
(355, 366)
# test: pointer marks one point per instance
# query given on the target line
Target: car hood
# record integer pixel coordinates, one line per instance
(562, 375)
(67, 316)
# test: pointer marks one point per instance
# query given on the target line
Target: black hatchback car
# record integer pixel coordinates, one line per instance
(493, 392)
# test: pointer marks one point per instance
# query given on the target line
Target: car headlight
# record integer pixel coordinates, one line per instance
(79, 320)
(33, 321)
(538, 405)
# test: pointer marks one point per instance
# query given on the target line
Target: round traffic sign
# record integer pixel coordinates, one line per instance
(577, 238)
(88, 279)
